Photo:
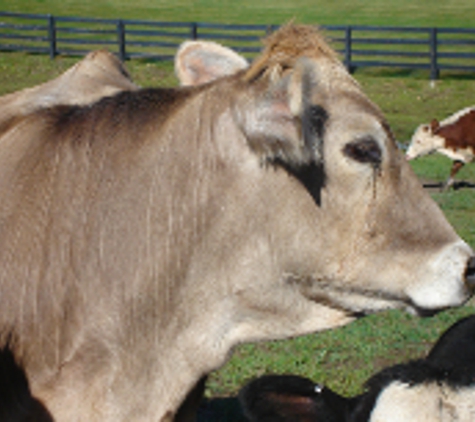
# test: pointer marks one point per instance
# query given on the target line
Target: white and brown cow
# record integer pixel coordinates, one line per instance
(97, 75)
(144, 236)
(453, 137)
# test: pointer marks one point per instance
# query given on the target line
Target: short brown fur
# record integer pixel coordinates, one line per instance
(283, 47)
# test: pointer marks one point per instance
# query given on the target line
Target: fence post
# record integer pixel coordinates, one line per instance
(194, 31)
(52, 36)
(434, 68)
(270, 29)
(121, 40)
(348, 45)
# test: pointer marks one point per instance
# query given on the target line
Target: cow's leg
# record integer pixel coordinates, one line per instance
(188, 409)
(456, 166)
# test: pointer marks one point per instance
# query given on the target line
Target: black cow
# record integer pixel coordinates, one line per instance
(439, 387)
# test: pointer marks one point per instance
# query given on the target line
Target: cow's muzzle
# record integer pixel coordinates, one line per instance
(470, 274)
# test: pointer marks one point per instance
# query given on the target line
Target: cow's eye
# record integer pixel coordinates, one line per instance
(365, 150)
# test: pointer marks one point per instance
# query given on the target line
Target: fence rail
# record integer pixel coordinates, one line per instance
(431, 49)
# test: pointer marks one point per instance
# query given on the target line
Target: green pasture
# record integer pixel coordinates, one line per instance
(345, 357)
(375, 12)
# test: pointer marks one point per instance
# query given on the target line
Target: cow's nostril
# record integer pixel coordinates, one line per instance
(470, 274)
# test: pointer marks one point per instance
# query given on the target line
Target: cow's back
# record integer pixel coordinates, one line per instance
(72, 181)
(459, 134)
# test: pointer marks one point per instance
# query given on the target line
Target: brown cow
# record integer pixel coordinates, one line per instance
(143, 237)
(453, 137)
(97, 75)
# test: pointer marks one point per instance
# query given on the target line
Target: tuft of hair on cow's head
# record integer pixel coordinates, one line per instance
(283, 48)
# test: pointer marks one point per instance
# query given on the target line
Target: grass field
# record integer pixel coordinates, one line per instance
(345, 357)
(376, 12)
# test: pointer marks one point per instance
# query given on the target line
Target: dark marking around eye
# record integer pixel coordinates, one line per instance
(365, 150)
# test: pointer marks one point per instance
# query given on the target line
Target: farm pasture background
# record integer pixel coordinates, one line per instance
(345, 357)
(454, 13)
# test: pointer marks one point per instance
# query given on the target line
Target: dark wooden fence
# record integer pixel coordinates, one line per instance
(431, 49)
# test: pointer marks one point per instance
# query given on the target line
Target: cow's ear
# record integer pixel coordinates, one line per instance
(280, 122)
(434, 125)
(287, 398)
(199, 62)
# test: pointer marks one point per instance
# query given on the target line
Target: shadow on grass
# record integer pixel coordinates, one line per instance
(462, 184)
(416, 74)
(394, 72)
(462, 76)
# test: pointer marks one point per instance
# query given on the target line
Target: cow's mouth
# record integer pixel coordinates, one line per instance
(358, 303)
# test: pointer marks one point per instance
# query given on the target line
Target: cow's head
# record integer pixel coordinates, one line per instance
(408, 392)
(372, 238)
(425, 140)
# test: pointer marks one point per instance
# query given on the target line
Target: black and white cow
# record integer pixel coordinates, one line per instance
(438, 388)
(16, 401)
